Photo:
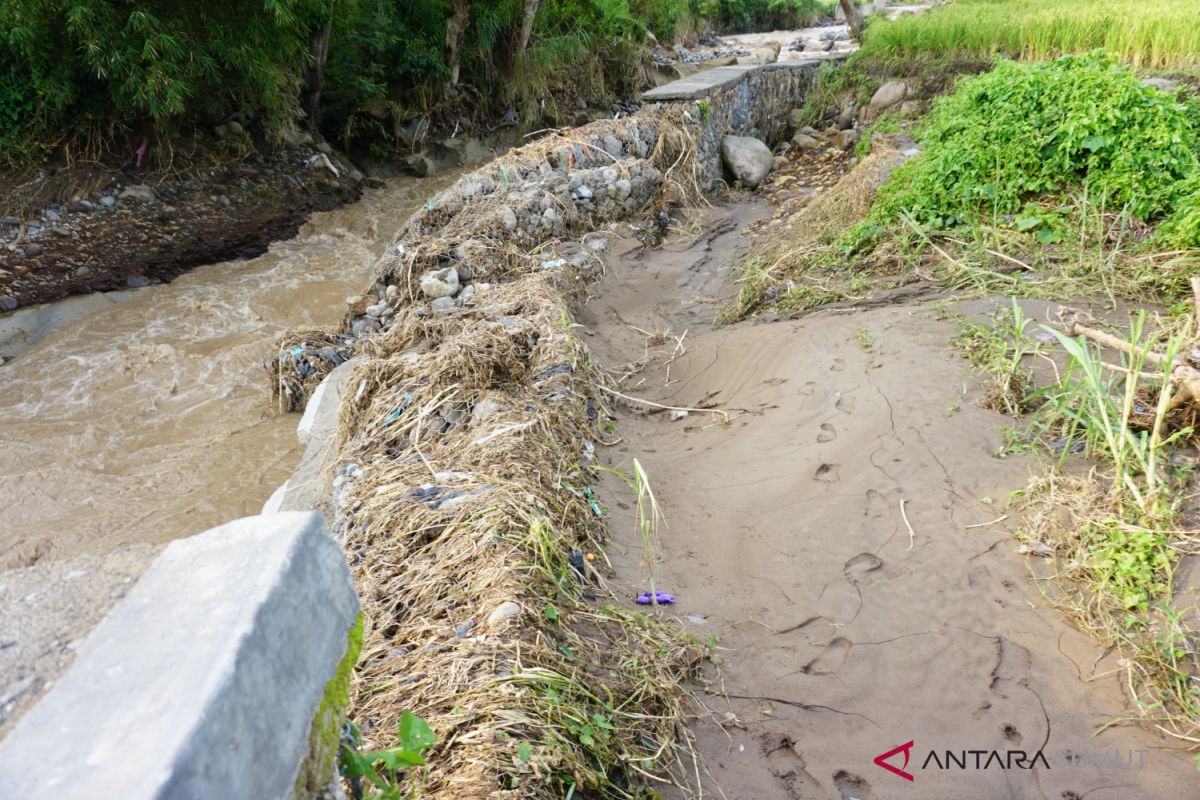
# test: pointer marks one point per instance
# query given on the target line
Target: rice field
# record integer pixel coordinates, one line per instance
(1150, 34)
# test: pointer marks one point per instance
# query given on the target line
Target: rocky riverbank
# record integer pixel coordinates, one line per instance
(132, 229)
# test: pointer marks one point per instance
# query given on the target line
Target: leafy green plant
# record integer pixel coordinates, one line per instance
(382, 769)
(998, 352)
(1006, 139)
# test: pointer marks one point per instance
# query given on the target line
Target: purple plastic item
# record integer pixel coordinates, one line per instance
(662, 598)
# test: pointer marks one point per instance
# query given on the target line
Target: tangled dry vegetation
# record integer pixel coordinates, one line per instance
(463, 498)
(794, 262)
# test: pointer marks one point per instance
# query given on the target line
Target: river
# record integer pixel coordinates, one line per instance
(150, 420)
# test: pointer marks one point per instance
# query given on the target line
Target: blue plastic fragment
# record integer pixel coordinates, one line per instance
(661, 598)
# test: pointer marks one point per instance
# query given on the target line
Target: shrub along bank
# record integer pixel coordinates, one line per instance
(83, 73)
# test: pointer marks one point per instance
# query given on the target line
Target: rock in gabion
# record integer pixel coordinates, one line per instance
(440, 283)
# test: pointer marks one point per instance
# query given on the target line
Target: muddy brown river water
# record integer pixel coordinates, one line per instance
(150, 420)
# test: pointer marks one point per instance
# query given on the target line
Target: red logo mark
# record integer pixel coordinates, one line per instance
(881, 760)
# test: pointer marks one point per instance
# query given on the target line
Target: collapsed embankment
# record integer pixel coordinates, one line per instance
(461, 489)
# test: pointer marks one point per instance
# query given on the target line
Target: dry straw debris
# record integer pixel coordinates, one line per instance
(461, 488)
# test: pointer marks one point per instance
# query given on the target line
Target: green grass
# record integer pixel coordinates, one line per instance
(1115, 537)
(1157, 34)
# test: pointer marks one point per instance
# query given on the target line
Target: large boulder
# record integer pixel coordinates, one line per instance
(747, 158)
(885, 97)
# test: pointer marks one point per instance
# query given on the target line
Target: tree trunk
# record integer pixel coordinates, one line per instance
(853, 18)
(315, 80)
(531, 9)
(456, 26)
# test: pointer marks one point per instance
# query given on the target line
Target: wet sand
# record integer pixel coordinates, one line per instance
(844, 626)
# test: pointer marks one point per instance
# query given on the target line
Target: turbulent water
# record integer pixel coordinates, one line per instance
(151, 419)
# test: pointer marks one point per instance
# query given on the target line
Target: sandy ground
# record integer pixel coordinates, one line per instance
(840, 634)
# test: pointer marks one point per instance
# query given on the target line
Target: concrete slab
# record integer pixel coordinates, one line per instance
(317, 431)
(701, 84)
(204, 681)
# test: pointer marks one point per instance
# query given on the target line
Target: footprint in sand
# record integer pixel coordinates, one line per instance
(852, 787)
(845, 404)
(827, 473)
(831, 658)
(788, 766)
(1011, 733)
(861, 565)
(828, 433)
(839, 364)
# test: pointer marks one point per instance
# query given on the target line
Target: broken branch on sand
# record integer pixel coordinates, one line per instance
(615, 393)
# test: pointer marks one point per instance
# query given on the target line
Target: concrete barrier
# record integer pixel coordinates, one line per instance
(220, 675)
(742, 100)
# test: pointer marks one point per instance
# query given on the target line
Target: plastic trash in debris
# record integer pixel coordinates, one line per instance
(591, 498)
(660, 598)
(1061, 444)
(558, 262)
(405, 400)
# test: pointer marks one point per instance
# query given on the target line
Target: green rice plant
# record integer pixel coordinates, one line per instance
(1163, 34)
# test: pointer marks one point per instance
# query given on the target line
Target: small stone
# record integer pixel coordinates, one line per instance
(551, 216)
(467, 293)
(359, 327)
(53, 215)
(61, 231)
(443, 304)
(33, 249)
(236, 129)
(223, 200)
(138, 193)
(612, 145)
(77, 206)
(1162, 84)
(8, 303)
(596, 245)
(846, 140)
(391, 292)
(356, 176)
(583, 192)
(221, 130)
(108, 201)
(17, 689)
(503, 612)
(440, 283)
(10, 221)
(508, 218)
(486, 408)
(622, 188)
(137, 281)
(357, 304)
(802, 141)
(378, 310)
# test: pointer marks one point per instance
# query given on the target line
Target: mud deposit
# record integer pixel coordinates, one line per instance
(841, 633)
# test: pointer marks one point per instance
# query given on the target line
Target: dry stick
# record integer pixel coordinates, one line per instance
(614, 392)
(985, 524)
(1195, 281)
(912, 536)
(1108, 340)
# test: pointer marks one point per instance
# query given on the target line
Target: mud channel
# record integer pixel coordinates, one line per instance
(844, 545)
